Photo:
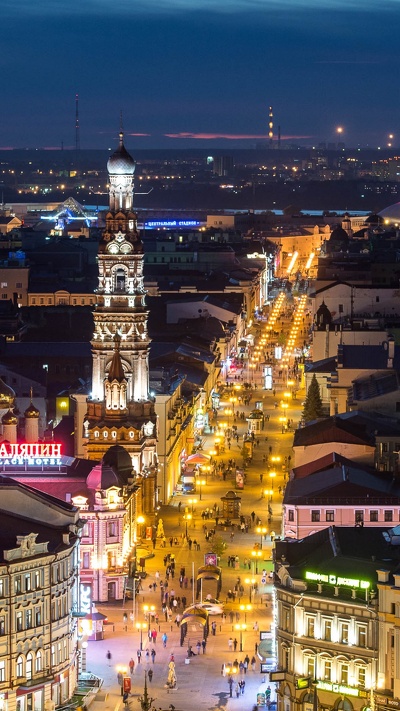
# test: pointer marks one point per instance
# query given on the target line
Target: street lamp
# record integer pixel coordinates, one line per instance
(241, 628)
(231, 671)
(272, 476)
(245, 609)
(148, 611)
(250, 582)
(187, 518)
(268, 492)
(141, 626)
(139, 520)
(262, 531)
(256, 555)
(201, 482)
(192, 502)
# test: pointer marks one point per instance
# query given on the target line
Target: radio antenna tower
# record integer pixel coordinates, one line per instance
(270, 126)
(77, 137)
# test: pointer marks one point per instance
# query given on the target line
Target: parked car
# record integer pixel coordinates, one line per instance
(213, 606)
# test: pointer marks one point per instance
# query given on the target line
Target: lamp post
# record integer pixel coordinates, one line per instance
(250, 582)
(141, 626)
(245, 609)
(140, 520)
(256, 555)
(231, 671)
(268, 493)
(201, 482)
(241, 628)
(262, 530)
(192, 502)
(187, 518)
(272, 476)
(148, 611)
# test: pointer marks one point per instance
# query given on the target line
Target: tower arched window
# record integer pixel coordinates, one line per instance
(120, 278)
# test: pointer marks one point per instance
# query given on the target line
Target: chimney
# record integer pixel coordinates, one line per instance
(383, 576)
(336, 591)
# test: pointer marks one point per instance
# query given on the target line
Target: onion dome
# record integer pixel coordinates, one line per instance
(121, 162)
(9, 418)
(102, 477)
(31, 411)
(7, 395)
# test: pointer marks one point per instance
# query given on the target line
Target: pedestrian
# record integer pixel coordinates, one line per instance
(109, 657)
(147, 655)
(213, 628)
(230, 644)
(203, 644)
(253, 663)
(150, 675)
(139, 656)
(235, 644)
(237, 691)
(153, 655)
(198, 646)
(131, 666)
(164, 639)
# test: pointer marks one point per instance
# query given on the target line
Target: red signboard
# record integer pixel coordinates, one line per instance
(30, 450)
(126, 684)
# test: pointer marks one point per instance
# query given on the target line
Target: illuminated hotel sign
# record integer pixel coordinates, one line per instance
(337, 688)
(32, 454)
(337, 580)
(171, 223)
(86, 599)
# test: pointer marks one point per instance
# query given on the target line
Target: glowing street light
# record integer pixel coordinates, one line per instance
(245, 609)
(256, 555)
(241, 628)
(262, 530)
(201, 482)
(272, 476)
(141, 626)
(250, 582)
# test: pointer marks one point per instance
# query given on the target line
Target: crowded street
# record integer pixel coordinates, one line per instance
(142, 634)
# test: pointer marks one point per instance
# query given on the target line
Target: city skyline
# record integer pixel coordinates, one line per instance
(192, 73)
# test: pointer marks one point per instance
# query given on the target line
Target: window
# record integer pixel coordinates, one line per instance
(36, 580)
(86, 561)
(18, 285)
(20, 666)
(2, 588)
(310, 627)
(290, 515)
(28, 619)
(285, 657)
(362, 636)
(344, 673)
(38, 661)
(377, 299)
(344, 633)
(327, 669)
(285, 618)
(27, 582)
(315, 516)
(310, 667)
(4, 285)
(53, 655)
(373, 515)
(359, 517)
(388, 515)
(2, 671)
(330, 515)
(17, 584)
(361, 676)
(2, 625)
(19, 621)
(112, 530)
(29, 660)
(38, 616)
(340, 308)
(327, 630)
(4, 296)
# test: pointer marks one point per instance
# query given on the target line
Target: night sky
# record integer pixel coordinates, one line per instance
(199, 72)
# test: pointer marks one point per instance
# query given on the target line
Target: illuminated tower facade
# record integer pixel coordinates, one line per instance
(120, 411)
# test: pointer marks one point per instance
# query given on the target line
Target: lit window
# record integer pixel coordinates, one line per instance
(20, 666)
(38, 661)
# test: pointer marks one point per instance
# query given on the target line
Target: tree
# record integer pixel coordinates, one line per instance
(313, 404)
(218, 546)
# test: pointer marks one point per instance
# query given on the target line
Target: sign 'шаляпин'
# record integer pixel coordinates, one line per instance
(36, 454)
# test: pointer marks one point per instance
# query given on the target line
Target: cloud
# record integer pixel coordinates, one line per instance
(96, 8)
(228, 136)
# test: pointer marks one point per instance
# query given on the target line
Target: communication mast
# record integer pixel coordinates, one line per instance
(77, 137)
(270, 127)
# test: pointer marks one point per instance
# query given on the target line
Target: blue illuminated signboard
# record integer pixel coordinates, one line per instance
(171, 223)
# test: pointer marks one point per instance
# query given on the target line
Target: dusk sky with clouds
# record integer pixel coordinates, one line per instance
(199, 72)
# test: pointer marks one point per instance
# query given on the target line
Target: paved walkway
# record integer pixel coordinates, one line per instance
(201, 684)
